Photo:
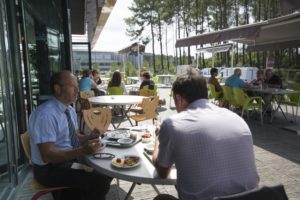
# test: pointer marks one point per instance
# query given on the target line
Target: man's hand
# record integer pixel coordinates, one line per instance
(91, 146)
(94, 134)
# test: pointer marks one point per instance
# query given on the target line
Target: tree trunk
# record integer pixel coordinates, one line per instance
(160, 44)
(153, 48)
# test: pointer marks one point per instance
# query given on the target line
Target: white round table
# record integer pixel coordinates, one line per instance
(118, 100)
(143, 173)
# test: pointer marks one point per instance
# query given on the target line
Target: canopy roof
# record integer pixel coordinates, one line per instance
(275, 33)
(215, 49)
(133, 49)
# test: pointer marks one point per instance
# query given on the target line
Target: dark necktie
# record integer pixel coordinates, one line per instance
(72, 134)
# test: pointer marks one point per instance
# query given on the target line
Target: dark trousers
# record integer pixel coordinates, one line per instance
(84, 185)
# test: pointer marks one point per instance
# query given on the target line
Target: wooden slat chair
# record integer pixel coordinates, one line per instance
(38, 188)
(146, 92)
(84, 104)
(99, 117)
(149, 106)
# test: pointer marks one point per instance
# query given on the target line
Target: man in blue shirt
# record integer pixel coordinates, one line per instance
(56, 145)
(235, 81)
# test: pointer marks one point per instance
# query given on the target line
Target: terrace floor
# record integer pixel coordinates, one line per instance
(277, 153)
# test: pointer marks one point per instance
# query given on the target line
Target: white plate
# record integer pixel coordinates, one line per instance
(118, 134)
(125, 141)
(149, 148)
(123, 164)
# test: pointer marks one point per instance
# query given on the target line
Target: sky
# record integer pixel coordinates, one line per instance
(113, 36)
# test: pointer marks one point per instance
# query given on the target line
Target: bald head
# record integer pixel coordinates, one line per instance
(64, 86)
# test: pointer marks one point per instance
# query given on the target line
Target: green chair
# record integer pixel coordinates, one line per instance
(294, 101)
(228, 97)
(115, 90)
(248, 103)
(213, 94)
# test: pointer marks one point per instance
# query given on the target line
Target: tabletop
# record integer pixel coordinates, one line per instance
(116, 99)
(143, 173)
(272, 91)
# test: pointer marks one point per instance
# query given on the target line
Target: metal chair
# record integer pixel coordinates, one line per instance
(294, 101)
(38, 188)
(262, 193)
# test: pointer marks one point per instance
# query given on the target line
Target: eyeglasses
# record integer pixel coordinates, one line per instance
(103, 156)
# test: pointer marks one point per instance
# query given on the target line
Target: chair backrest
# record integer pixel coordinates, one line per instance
(228, 94)
(213, 93)
(86, 95)
(145, 91)
(99, 117)
(26, 145)
(149, 106)
(295, 98)
(263, 193)
(240, 96)
(115, 90)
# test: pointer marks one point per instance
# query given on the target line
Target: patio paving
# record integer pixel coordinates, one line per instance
(277, 153)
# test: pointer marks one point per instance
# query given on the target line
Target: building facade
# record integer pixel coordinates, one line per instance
(35, 41)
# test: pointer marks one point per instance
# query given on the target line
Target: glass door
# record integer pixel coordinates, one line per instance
(9, 147)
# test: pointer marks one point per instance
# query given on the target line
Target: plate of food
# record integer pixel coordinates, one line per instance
(125, 141)
(147, 137)
(127, 161)
(118, 134)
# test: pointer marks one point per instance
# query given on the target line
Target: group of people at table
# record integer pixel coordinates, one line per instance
(91, 80)
(211, 160)
(263, 79)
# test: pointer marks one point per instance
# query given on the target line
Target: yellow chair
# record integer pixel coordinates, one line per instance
(213, 94)
(99, 117)
(294, 101)
(115, 90)
(248, 103)
(148, 106)
(37, 187)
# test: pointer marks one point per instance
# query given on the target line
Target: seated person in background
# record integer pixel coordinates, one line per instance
(116, 81)
(213, 80)
(86, 83)
(209, 162)
(235, 81)
(260, 78)
(272, 80)
(97, 80)
(56, 144)
(96, 77)
(146, 81)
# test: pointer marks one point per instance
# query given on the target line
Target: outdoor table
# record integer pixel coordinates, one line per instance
(277, 95)
(118, 100)
(143, 173)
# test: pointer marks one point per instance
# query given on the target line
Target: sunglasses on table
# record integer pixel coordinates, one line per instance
(103, 156)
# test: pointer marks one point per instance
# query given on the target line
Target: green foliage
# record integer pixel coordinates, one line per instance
(130, 69)
(115, 66)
